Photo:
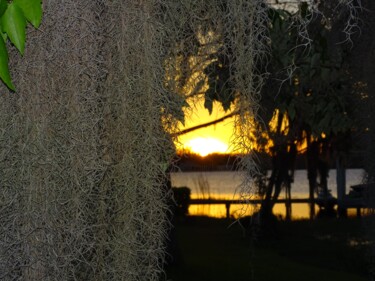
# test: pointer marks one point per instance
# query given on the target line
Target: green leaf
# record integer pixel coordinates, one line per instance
(164, 166)
(3, 6)
(32, 9)
(14, 24)
(304, 10)
(291, 112)
(208, 104)
(325, 74)
(4, 70)
(315, 60)
(3, 34)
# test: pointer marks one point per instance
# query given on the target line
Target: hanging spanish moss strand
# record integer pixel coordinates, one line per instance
(51, 162)
(83, 148)
(85, 141)
(141, 146)
(246, 31)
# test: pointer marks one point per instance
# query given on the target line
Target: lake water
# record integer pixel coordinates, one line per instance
(224, 185)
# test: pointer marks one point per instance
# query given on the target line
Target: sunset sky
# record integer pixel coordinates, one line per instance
(207, 140)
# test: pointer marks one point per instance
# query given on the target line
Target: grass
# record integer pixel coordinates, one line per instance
(208, 249)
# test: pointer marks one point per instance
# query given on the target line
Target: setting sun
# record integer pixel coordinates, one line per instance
(211, 139)
(205, 146)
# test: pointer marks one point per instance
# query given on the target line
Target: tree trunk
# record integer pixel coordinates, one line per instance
(282, 175)
(312, 166)
(341, 185)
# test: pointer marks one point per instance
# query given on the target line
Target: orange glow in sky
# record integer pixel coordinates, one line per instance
(212, 139)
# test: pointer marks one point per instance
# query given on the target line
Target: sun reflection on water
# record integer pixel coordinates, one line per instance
(299, 211)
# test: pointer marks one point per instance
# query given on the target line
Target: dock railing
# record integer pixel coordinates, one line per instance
(357, 204)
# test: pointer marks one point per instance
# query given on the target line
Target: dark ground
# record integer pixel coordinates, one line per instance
(325, 249)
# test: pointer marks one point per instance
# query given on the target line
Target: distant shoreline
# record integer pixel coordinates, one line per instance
(191, 162)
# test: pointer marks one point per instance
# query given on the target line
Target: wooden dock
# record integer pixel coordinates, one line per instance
(229, 202)
(347, 203)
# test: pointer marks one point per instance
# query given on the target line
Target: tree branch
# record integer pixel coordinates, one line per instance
(188, 130)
